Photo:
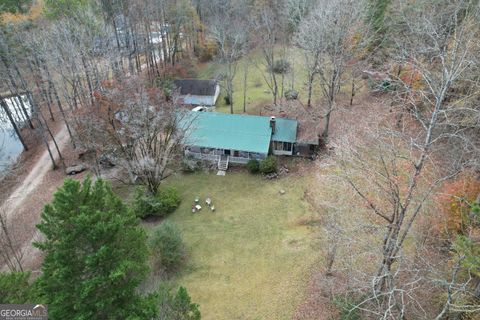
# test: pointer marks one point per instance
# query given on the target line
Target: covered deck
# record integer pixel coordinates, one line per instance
(214, 155)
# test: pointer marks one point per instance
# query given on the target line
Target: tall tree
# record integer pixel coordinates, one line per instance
(376, 15)
(140, 128)
(95, 255)
(438, 47)
(230, 36)
(267, 25)
(328, 40)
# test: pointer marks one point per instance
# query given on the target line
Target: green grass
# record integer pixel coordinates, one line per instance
(250, 259)
(258, 93)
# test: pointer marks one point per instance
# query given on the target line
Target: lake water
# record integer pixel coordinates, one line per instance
(10, 145)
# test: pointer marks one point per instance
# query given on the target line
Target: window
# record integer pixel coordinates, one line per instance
(277, 145)
(282, 146)
(287, 146)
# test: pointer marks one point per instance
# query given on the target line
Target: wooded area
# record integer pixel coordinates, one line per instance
(103, 70)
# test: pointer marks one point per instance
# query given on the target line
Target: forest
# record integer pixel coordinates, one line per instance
(379, 221)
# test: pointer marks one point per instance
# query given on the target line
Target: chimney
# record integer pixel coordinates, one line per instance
(272, 123)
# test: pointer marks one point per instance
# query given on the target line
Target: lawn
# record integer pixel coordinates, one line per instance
(250, 259)
(258, 93)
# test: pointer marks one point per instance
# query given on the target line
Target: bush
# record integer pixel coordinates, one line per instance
(167, 246)
(177, 306)
(455, 203)
(227, 100)
(291, 94)
(346, 308)
(165, 202)
(144, 205)
(253, 166)
(281, 66)
(206, 52)
(169, 199)
(269, 165)
(190, 165)
(167, 85)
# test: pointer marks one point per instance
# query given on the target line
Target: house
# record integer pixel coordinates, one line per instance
(234, 138)
(198, 92)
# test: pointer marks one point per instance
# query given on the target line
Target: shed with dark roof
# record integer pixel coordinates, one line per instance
(198, 92)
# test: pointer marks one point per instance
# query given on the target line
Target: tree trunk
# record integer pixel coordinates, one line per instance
(353, 92)
(45, 124)
(245, 75)
(87, 76)
(327, 124)
(40, 86)
(48, 149)
(310, 89)
(14, 125)
(13, 258)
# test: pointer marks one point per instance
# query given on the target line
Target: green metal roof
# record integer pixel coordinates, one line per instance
(285, 130)
(236, 132)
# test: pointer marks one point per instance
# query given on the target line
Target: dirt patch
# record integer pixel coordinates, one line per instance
(26, 193)
(346, 120)
(321, 290)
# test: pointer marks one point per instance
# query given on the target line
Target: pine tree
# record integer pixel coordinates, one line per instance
(95, 255)
(377, 10)
(15, 288)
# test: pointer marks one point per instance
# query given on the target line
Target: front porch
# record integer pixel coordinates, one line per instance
(215, 155)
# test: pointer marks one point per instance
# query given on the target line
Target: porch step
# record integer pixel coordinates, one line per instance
(223, 163)
(221, 173)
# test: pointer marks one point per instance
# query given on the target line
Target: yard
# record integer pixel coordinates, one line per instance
(258, 93)
(251, 258)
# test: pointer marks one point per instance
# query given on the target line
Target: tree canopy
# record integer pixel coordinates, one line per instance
(95, 255)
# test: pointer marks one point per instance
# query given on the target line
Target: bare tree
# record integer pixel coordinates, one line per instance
(327, 38)
(312, 46)
(11, 251)
(267, 26)
(230, 36)
(141, 129)
(245, 77)
(390, 173)
(12, 121)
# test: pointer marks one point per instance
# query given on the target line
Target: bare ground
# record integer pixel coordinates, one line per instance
(366, 111)
(33, 187)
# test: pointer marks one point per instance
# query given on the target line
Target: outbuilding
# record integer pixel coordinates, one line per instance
(197, 92)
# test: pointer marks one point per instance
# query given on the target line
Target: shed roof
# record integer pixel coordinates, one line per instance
(198, 100)
(236, 132)
(196, 87)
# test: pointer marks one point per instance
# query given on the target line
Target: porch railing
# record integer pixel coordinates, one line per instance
(214, 157)
(202, 156)
(239, 159)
